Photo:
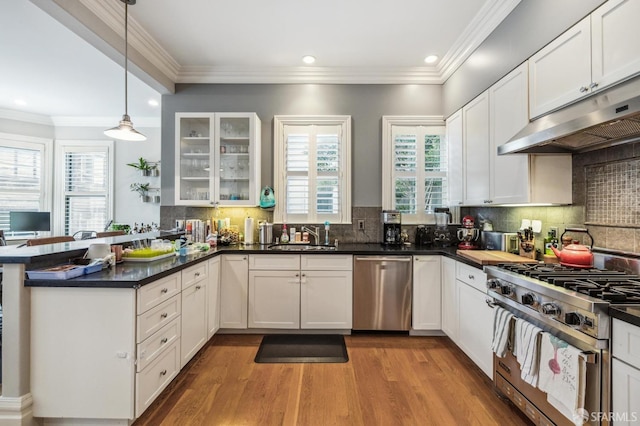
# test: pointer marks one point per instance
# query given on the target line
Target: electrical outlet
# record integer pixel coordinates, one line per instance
(554, 230)
(361, 224)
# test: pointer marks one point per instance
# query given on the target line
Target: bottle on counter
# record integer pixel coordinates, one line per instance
(284, 238)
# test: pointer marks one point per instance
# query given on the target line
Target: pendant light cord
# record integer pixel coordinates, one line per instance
(126, 57)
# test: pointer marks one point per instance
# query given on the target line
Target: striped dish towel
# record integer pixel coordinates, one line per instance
(527, 350)
(501, 330)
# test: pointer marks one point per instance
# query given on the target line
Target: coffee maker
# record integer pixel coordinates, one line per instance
(391, 227)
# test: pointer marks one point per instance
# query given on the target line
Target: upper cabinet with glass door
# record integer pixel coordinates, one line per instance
(217, 159)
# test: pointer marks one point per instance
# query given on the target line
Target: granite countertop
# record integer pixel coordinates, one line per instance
(135, 274)
(630, 314)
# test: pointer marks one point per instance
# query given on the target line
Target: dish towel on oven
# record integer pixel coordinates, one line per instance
(526, 349)
(501, 330)
(562, 376)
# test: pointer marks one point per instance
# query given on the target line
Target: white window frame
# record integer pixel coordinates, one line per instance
(44, 145)
(280, 178)
(64, 146)
(388, 197)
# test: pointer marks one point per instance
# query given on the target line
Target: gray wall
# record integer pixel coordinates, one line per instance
(24, 128)
(528, 28)
(366, 104)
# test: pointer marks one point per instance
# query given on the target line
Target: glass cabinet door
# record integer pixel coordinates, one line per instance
(237, 145)
(194, 133)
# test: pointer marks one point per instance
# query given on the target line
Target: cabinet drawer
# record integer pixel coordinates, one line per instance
(154, 319)
(152, 347)
(472, 276)
(194, 274)
(158, 374)
(323, 262)
(625, 342)
(275, 262)
(155, 293)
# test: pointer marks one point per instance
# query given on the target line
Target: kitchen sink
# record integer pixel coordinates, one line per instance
(301, 247)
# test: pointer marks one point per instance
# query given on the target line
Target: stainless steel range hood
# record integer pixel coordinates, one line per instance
(605, 119)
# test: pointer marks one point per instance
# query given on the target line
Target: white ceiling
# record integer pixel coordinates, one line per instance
(59, 74)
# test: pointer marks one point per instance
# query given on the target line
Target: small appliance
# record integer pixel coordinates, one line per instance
(441, 235)
(391, 227)
(468, 234)
(424, 236)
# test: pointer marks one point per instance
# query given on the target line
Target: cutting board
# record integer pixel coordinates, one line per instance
(492, 257)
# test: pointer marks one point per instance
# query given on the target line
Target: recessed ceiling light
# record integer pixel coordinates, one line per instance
(308, 59)
(431, 59)
(153, 102)
(20, 102)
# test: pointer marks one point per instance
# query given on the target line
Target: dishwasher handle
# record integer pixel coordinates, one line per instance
(384, 258)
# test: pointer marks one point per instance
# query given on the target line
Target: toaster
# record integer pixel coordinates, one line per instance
(503, 241)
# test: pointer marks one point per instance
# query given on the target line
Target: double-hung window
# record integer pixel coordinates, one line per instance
(84, 185)
(24, 165)
(414, 160)
(312, 174)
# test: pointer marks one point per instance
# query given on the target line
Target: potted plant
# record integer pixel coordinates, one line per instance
(146, 168)
(143, 190)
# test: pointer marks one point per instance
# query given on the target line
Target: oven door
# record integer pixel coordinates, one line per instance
(531, 400)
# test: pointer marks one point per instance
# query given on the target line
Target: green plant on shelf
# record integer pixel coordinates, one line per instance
(145, 167)
(142, 189)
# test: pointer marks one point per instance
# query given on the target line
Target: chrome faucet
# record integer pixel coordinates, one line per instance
(313, 232)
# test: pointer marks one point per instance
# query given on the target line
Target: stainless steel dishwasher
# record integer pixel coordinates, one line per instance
(382, 292)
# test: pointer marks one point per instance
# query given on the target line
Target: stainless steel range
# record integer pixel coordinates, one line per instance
(572, 304)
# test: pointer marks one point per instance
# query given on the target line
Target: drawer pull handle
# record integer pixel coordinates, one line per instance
(471, 277)
(197, 274)
(164, 290)
(198, 287)
(164, 340)
(164, 315)
(504, 367)
(163, 373)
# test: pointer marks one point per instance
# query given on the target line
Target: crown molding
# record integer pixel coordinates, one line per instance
(112, 14)
(325, 75)
(28, 117)
(491, 14)
(106, 122)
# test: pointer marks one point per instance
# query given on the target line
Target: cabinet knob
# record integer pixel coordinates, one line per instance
(163, 373)
(297, 275)
(198, 287)
(164, 340)
(164, 315)
(304, 275)
(164, 290)
(593, 85)
(472, 277)
(583, 89)
(197, 274)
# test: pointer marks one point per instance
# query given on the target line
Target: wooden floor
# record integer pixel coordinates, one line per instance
(389, 380)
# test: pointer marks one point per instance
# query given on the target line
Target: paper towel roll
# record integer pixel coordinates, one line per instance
(248, 230)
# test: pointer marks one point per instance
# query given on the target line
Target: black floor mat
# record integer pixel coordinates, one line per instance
(302, 348)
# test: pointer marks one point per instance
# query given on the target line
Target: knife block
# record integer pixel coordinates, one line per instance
(528, 249)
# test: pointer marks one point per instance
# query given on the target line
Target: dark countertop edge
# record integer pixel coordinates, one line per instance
(97, 280)
(621, 313)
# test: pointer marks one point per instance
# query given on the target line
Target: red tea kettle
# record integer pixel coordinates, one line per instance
(575, 255)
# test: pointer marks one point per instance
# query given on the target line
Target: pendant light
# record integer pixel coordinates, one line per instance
(125, 131)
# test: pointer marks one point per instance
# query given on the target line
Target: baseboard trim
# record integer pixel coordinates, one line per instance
(17, 411)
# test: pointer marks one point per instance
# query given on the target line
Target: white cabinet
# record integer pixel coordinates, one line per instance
(475, 133)
(326, 291)
(615, 51)
(234, 288)
(217, 159)
(597, 52)
(426, 312)
(455, 174)
(521, 178)
(560, 73)
(449, 299)
(300, 291)
(194, 311)
(475, 317)
(625, 372)
(213, 297)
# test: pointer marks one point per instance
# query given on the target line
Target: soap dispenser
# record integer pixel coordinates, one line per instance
(284, 238)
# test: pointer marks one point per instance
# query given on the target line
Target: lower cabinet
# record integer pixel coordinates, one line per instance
(625, 372)
(194, 311)
(449, 299)
(234, 289)
(426, 309)
(475, 317)
(300, 291)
